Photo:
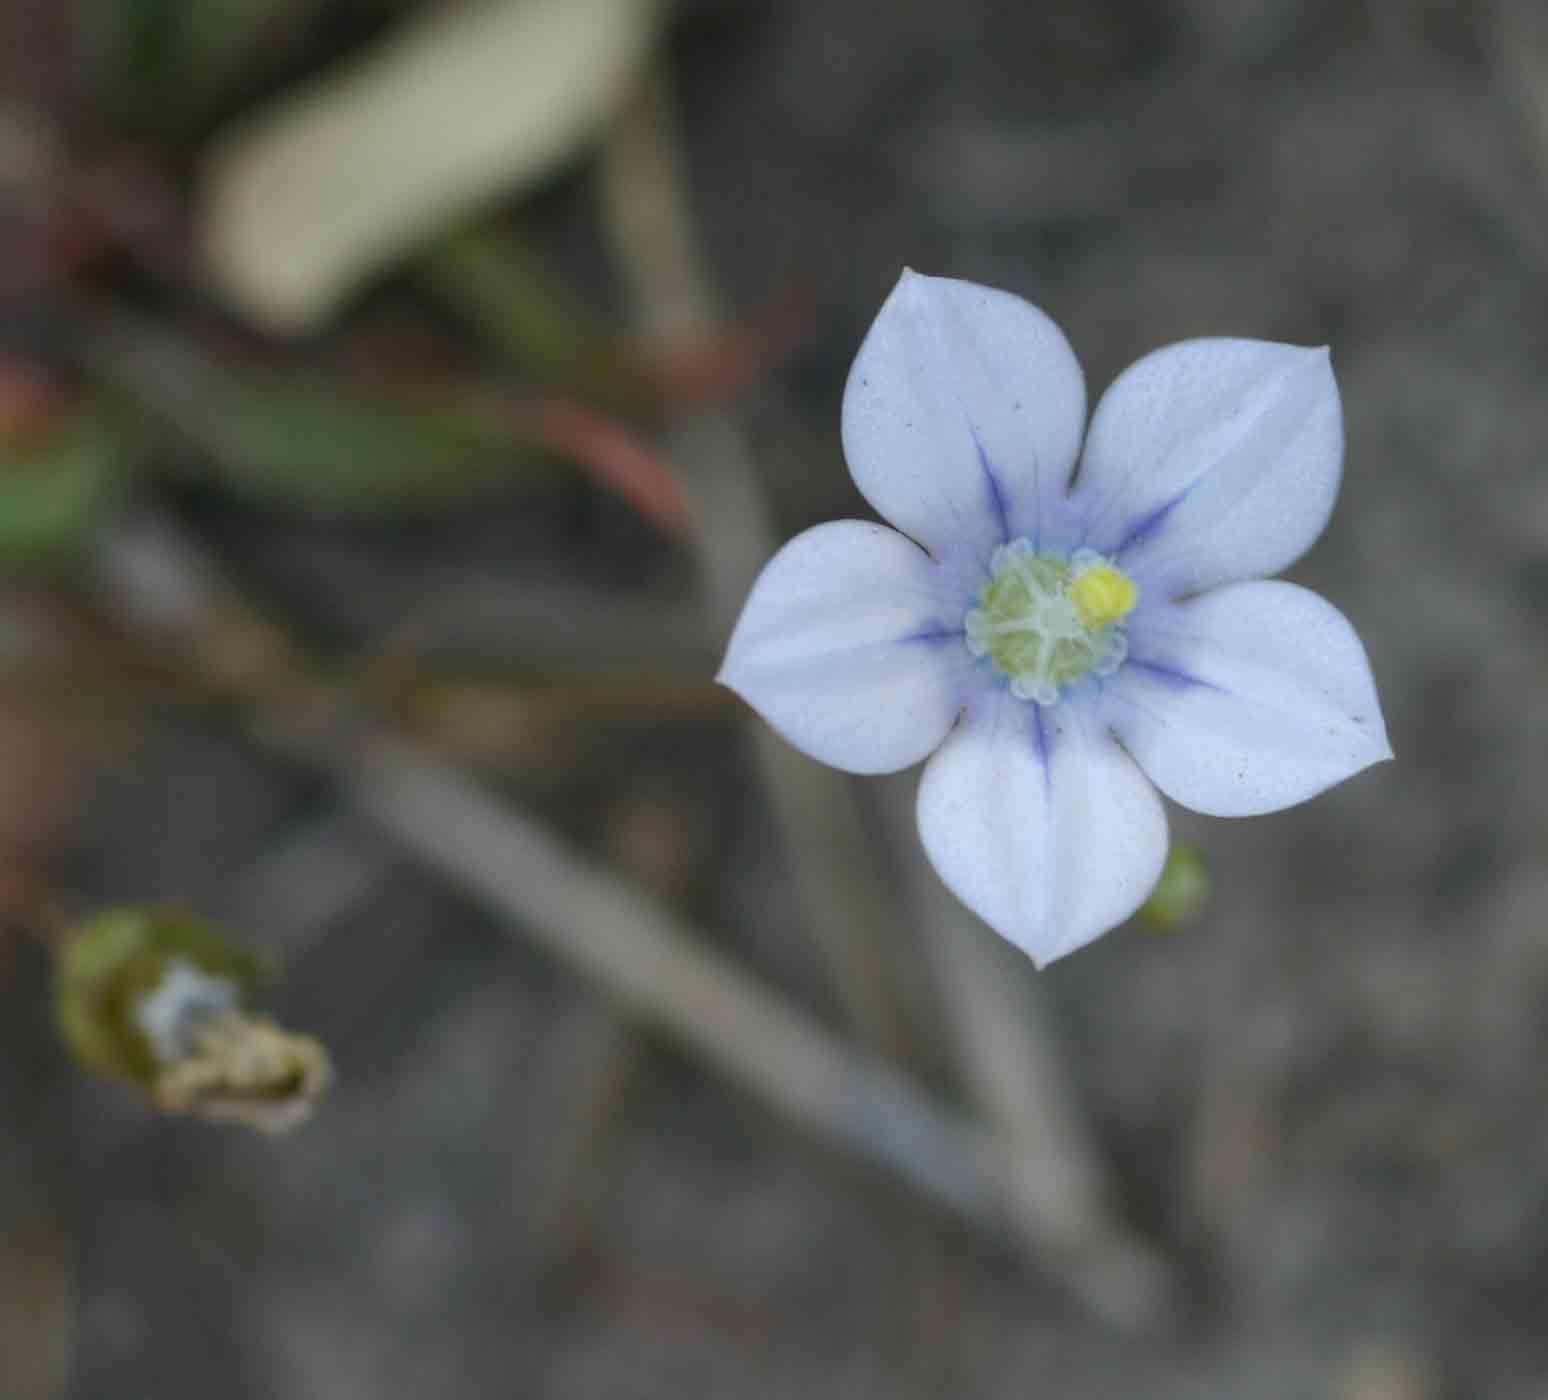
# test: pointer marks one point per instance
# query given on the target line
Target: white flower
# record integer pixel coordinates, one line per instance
(1066, 641)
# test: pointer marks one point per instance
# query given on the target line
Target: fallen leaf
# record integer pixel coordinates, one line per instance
(315, 195)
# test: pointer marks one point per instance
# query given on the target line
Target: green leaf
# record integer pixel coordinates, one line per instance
(324, 446)
(159, 66)
(501, 287)
(54, 490)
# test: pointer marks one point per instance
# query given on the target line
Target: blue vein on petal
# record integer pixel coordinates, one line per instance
(1146, 524)
(1169, 675)
(996, 495)
(932, 634)
(1040, 739)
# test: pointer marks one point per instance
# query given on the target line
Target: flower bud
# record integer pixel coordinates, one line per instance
(1182, 892)
(157, 997)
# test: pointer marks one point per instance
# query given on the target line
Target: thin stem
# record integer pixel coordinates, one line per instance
(847, 907)
(1050, 1172)
(643, 955)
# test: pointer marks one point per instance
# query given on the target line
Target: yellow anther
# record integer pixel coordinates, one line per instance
(1103, 595)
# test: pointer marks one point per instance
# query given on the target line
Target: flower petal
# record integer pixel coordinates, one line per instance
(1041, 824)
(1213, 460)
(962, 415)
(1248, 699)
(848, 647)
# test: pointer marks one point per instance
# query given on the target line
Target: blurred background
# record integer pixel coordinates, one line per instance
(396, 399)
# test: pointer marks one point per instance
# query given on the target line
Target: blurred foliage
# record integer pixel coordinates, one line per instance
(163, 69)
(56, 481)
(500, 286)
(159, 65)
(307, 442)
(45, 753)
(38, 1304)
(530, 725)
(98, 187)
(274, 156)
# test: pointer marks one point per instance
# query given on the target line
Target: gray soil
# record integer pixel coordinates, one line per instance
(1326, 1101)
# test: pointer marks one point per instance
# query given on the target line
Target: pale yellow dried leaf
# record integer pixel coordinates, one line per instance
(315, 194)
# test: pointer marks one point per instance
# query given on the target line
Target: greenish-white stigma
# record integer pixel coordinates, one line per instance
(1046, 621)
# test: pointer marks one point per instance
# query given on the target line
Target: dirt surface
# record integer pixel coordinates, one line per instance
(1326, 1101)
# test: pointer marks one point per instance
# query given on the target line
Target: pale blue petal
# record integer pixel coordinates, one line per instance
(851, 647)
(963, 415)
(1041, 824)
(1247, 699)
(1212, 461)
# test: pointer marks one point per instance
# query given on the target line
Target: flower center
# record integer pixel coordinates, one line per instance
(1046, 621)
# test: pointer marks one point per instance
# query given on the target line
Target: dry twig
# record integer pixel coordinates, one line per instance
(643, 955)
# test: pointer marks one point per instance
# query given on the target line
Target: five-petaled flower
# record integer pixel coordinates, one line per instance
(1069, 638)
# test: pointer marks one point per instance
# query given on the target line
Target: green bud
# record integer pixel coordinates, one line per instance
(1182, 892)
(158, 998)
